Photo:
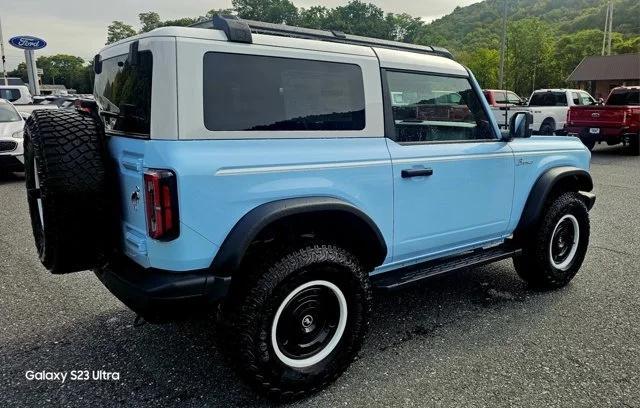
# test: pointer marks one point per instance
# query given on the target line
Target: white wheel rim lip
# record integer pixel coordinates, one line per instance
(322, 354)
(37, 186)
(564, 265)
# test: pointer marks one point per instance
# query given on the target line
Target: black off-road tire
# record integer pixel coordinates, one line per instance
(65, 172)
(634, 145)
(252, 306)
(535, 265)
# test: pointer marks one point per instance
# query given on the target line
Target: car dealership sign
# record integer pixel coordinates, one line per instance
(27, 42)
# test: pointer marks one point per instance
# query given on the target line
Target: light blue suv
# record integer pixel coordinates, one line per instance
(279, 174)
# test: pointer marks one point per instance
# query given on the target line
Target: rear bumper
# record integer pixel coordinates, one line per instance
(159, 295)
(604, 133)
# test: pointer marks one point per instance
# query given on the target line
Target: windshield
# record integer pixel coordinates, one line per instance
(8, 113)
(625, 97)
(123, 92)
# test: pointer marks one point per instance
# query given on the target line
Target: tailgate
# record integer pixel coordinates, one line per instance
(600, 116)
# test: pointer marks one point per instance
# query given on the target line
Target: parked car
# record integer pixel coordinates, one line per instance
(503, 104)
(550, 106)
(306, 168)
(16, 94)
(618, 121)
(11, 136)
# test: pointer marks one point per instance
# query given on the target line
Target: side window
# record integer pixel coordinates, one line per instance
(250, 92)
(586, 99)
(10, 94)
(433, 108)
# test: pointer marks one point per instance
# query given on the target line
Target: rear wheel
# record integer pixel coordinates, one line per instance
(547, 128)
(554, 253)
(298, 321)
(66, 189)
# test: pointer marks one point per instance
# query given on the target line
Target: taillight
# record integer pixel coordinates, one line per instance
(161, 198)
(569, 117)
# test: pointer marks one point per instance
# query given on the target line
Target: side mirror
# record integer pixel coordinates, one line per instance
(520, 125)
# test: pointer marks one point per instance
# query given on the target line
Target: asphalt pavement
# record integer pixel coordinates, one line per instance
(477, 338)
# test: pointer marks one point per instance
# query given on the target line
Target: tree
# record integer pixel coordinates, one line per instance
(20, 72)
(314, 17)
(118, 30)
(405, 27)
(530, 64)
(149, 21)
(361, 18)
(484, 63)
(271, 11)
(62, 69)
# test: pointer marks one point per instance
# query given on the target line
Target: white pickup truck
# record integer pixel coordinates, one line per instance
(550, 106)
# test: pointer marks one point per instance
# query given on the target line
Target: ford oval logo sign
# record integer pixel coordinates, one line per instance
(26, 42)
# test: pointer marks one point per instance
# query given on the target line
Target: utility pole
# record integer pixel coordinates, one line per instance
(4, 59)
(503, 46)
(610, 26)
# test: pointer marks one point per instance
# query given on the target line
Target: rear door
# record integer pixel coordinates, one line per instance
(453, 177)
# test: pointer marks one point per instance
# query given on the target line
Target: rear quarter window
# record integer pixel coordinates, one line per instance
(259, 93)
(627, 97)
(123, 92)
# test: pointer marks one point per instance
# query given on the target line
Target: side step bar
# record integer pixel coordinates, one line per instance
(398, 278)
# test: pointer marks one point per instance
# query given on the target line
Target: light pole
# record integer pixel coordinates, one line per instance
(4, 68)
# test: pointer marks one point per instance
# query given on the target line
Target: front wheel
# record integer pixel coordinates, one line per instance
(554, 253)
(296, 323)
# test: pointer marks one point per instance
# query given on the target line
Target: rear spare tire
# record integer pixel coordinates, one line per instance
(65, 172)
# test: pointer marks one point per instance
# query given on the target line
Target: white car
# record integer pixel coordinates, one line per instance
(16, 94)
(11, 137)
(550, 106)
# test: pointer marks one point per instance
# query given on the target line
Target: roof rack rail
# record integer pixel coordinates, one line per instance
(239, 30)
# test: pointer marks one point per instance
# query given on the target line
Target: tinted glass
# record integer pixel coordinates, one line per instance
(626, 97)
(548, 99)
(123, 92)
(9, 94)
(248, 92)
(8, 113)
(432, 108)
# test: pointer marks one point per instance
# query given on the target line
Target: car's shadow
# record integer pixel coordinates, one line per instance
(11, 178)
(603, 150)
(180, 363)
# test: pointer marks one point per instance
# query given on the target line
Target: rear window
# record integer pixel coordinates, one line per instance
(249, 92)
(627, 97)
(123, 92)
(10, 94)
(548, 99)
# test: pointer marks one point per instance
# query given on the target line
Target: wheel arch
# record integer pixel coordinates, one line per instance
(355, 229)
(552, 182)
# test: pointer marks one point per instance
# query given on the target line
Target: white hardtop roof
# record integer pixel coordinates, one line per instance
(389, 58)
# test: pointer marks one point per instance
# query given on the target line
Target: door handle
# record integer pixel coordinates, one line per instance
(407, 173)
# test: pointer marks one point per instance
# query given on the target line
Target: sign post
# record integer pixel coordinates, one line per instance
(29, 44)
(4, 68)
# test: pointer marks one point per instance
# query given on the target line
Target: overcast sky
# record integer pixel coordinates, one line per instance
(79, 27)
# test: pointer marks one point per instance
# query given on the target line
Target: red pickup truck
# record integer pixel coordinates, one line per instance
(618, 121)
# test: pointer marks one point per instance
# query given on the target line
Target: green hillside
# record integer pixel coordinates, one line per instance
(466, 27)
(546, 38)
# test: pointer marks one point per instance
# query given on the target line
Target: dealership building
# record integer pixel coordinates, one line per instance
(600, 74)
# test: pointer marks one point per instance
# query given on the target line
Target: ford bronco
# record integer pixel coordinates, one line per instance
(278, 174)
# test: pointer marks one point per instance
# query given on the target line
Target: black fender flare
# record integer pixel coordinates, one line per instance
(235, 245)
(576, 179)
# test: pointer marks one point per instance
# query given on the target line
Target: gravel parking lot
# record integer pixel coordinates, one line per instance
(472, 339)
